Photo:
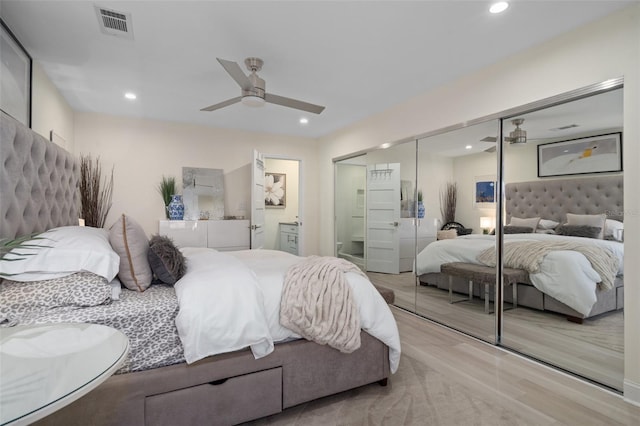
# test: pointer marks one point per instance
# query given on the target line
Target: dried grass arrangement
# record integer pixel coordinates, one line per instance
(448, 200)
(95, 193)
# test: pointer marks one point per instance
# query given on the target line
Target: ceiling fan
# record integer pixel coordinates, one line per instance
(253, 89)
(516, 137)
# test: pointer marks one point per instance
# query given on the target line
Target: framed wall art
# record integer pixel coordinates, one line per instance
(484, 192)
(595, 154)
(275, 190)
(15, 85)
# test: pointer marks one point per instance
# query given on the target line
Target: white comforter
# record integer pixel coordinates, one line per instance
(564, 275)
(231, 300)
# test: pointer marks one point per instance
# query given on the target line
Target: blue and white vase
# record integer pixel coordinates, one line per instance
(176, 208)
(420, 210)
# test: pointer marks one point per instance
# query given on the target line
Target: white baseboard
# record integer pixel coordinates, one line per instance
(632, 392)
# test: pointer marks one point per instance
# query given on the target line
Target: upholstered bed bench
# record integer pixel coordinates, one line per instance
(387, 294)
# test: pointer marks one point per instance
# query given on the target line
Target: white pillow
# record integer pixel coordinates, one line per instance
(547, 224)
(588, 219)
(63, 251)
(545, 231)
(531, 222)
(613, 229)
(116, 289)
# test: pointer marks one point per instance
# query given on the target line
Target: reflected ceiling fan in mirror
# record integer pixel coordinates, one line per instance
(253, 89)
(516, 137)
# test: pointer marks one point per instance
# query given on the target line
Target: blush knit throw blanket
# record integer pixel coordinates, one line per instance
(528, 255)
(318, 304)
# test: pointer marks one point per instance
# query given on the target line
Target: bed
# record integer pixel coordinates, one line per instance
(563, 280)
(169, 378)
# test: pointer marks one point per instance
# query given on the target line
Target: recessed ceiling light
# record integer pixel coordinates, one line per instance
(468, 147)
(130, 95)
(304, 120)
(499, 7)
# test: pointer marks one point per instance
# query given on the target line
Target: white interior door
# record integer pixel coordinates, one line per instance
(257, 201)
(383, 218)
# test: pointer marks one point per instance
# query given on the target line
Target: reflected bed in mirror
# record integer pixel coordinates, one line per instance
(203, 193)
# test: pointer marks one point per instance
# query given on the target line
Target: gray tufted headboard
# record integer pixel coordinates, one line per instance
(38, 182)
(553, 199)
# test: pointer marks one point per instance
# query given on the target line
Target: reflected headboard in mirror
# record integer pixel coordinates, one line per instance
(38, 182)
(553, 199)
(203, 193)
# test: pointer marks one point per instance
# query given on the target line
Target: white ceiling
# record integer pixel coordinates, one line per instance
(598, 114)
(357, 58)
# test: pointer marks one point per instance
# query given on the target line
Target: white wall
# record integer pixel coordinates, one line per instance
(466, 169)
(142, 151)
(49, 110)
(605, 49)
(434, 171)
(273, 216)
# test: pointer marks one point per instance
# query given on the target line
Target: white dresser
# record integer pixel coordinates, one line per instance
(426, 233)
(289, 237)
(222, 235)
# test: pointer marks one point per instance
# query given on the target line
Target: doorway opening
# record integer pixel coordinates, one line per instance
(283, 201)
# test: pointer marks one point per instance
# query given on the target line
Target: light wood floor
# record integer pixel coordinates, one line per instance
(594, 349)
(446, 378)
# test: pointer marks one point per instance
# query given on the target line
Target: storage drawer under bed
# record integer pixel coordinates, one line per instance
(223, 402)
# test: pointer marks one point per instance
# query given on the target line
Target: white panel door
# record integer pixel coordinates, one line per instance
(257, 201)
(383, 218)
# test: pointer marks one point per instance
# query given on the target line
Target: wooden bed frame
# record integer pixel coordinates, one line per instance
(553, 199)
(38, 176)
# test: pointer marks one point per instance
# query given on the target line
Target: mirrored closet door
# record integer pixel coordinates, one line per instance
(421, 218)
(563, 182)
(457, 177)
(376, 212)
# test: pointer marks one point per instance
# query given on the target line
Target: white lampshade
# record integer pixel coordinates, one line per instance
(252, 101)
(487, 222)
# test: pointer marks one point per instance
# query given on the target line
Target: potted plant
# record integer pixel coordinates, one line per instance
(167, 188)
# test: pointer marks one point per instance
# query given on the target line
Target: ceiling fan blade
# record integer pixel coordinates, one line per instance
(236, 73)
(222, 104)
(488, 139)
(293, 103)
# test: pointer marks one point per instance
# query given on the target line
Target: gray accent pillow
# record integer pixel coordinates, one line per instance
(128, 239)
(584, 231)
(166, 260)
(597, 220)
(511, 229)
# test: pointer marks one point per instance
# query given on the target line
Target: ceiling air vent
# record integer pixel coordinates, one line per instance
(115, 23)
(568, 126)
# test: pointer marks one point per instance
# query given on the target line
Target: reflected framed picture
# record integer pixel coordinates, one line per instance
(275, 190)
(484, 192)
(595, 154)
(15, 85)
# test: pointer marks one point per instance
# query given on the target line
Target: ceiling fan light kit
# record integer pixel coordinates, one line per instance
(517, 136)
(253, 89)
(252, 101)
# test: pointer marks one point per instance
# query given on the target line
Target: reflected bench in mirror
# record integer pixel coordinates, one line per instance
(483, 275)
